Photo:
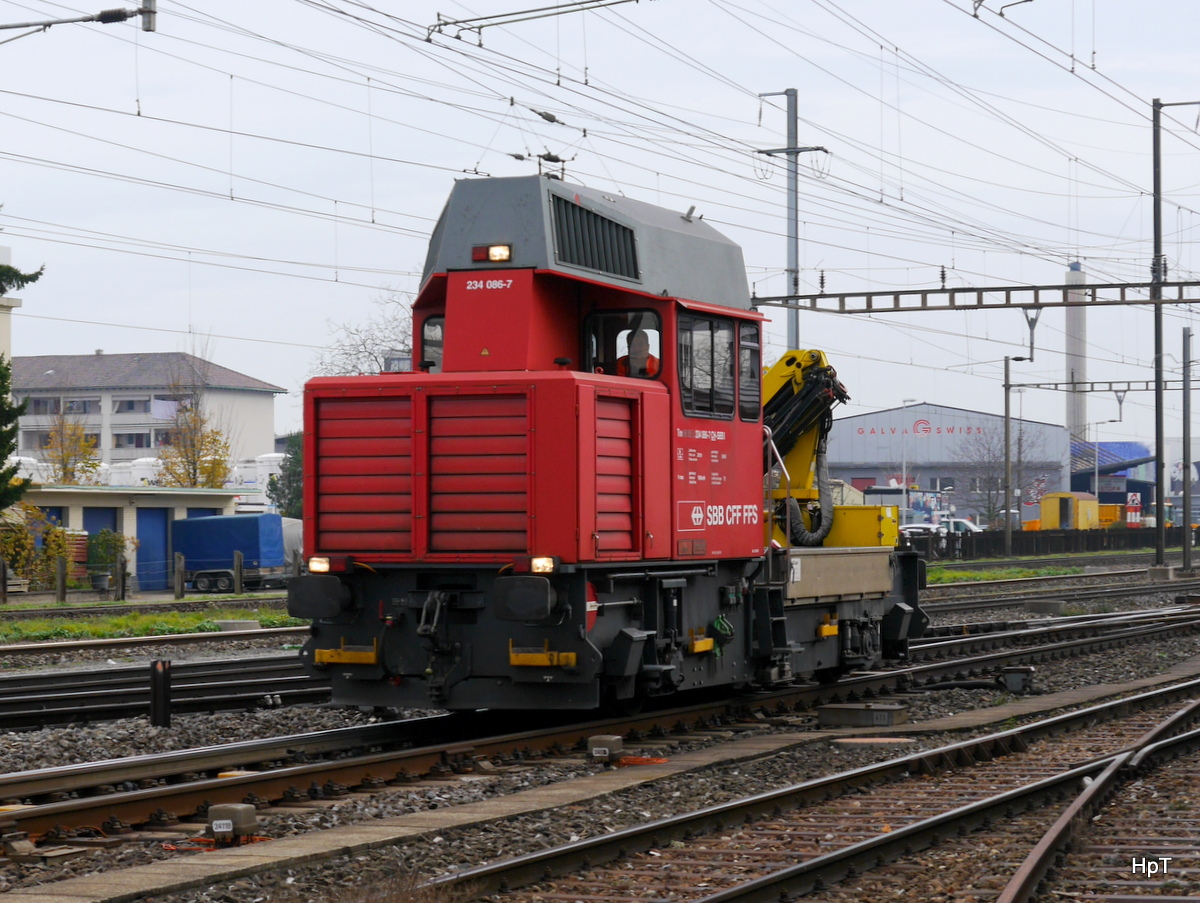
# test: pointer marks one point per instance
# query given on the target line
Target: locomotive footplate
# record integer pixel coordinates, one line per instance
(819, 574)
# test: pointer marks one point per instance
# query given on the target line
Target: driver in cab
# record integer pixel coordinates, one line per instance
(639, 362)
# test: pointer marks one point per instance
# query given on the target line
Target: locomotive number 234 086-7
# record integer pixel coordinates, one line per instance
(473, 284)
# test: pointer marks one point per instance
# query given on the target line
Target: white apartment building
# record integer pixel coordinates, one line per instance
(127, 402)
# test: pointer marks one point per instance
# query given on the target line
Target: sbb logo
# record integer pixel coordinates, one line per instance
(698, 516)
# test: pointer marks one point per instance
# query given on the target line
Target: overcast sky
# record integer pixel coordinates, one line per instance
(252, 173)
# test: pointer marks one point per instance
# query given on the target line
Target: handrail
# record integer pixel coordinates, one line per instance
(769, 442)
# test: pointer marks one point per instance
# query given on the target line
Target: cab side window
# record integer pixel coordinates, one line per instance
(432, 331)
(706, 366)
(625, 343)
(749, 372)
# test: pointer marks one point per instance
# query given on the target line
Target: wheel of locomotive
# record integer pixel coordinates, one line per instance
(204, 584)
(224, 583)
(622, 708)
(826, 676)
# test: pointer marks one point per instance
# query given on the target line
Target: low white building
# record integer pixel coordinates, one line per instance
(142, 513)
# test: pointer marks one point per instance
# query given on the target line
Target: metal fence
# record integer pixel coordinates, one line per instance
(990, 543)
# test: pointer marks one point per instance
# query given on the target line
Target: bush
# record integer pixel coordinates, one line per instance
(104, 548)
(30, 543)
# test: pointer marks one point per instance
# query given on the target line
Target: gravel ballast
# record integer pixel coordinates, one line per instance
(432, 855)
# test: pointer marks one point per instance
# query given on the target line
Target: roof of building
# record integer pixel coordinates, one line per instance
(1108, 457)
(155, 370)
(929, 405)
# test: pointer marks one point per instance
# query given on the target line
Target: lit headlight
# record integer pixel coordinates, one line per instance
(317, 565)
(541, 565)
(491, 254)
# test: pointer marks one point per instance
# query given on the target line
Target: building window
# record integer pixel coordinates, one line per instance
(44, 405)
(81, 406)
(162, 438)
(131, 406)
(35, 440)
(131, 440)
(941, 484)
(984, 484)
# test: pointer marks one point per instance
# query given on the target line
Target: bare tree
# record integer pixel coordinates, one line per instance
(366, 347)
(982, 471)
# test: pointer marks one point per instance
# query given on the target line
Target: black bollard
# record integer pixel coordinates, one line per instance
(160, 693)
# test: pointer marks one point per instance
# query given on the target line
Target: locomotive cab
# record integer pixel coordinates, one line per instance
(567, 500)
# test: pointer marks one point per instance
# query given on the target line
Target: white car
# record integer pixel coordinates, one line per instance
(964, 526)
(913, 530)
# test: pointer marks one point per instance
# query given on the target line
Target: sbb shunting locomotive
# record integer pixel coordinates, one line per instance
(586, 492)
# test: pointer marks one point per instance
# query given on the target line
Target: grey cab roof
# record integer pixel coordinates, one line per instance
(677, 254)
(157, 370)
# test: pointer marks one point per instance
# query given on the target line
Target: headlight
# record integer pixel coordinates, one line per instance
(491, 254)
(541, 566)
(318, 565)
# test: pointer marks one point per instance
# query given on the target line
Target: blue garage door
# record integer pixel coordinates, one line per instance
(153, 560)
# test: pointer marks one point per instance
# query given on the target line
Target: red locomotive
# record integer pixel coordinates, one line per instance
(574, 497)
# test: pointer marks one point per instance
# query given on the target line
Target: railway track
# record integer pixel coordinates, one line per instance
(51, 698)
(937, 603)
(138, 789)
(1132, 836)
(844, 826)
(69, 647)
(954, 639)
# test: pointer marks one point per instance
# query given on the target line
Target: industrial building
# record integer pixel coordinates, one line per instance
(951, 459)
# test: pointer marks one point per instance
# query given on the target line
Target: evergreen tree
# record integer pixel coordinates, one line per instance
(12, 278)
(286, 491)
(12, 487)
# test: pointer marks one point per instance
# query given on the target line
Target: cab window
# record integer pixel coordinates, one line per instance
(749, 372)
(432, 344)
(625, 343)
(706, 366)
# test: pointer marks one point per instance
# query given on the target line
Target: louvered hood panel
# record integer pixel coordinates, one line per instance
(479, 473)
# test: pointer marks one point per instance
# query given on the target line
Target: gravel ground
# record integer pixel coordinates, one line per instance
(438, 854)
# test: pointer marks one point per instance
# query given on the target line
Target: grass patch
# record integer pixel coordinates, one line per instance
(37, 630)
(936, 575)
